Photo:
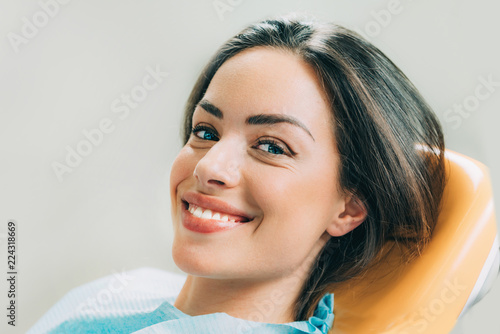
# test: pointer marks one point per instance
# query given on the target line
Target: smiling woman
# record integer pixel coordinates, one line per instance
(260, 154)
(302, 157)
(312, 132)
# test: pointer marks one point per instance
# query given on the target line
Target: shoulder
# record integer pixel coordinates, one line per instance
(119, 294)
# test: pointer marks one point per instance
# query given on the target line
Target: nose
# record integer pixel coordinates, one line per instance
(220, 166)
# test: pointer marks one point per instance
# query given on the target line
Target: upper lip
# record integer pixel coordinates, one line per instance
(213, 204)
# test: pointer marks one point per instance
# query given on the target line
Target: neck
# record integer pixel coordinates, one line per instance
(271, 301)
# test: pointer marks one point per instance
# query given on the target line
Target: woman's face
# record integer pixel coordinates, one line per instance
(262, 153)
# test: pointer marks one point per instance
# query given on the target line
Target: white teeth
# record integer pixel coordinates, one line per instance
(198, 212)
(208, 214)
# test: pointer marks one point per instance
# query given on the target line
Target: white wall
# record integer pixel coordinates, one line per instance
(112, 211)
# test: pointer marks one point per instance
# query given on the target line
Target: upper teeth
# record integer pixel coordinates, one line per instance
(208, 214)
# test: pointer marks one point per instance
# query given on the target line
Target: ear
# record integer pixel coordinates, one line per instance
(351, 214)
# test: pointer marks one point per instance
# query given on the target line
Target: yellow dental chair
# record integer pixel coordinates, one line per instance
(458, 267)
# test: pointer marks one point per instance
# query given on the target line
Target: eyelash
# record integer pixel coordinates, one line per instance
(267, 141)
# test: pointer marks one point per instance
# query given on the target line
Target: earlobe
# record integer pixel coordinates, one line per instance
(354, 213)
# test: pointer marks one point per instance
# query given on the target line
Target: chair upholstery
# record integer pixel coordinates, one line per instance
(456, 269)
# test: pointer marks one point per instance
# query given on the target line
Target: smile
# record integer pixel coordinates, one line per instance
(204, 213)
(200, 212)
(200, 220)
(207, 214)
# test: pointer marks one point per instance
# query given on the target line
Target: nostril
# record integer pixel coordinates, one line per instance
(217, 182)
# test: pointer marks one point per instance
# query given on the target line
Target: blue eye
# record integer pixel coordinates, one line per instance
(204, 132)
(265, 145)
(271, 146)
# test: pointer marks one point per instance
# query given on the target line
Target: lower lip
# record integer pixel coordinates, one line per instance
(202, 225)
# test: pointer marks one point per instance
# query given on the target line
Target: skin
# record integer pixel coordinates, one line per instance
(289, 187)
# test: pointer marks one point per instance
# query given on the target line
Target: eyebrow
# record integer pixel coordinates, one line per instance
(260, 119)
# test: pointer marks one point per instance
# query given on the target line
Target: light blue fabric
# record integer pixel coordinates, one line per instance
(140, 302)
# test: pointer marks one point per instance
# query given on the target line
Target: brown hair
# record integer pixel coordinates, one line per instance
(390, 142)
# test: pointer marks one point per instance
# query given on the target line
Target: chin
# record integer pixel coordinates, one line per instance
(201, 262)
(192, 262)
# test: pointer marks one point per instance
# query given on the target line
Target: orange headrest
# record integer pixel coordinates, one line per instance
(429, 294)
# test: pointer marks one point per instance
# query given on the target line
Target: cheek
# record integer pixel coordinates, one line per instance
(297, 206)
(298, 193)
(182, 168)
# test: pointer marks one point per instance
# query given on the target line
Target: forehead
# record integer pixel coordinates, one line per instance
(268, 80)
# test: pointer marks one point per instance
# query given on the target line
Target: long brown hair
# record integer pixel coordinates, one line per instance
(390, 142)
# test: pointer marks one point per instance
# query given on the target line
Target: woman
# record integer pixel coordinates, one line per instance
(306, 149)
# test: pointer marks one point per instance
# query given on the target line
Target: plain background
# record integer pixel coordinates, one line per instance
(111, 213)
